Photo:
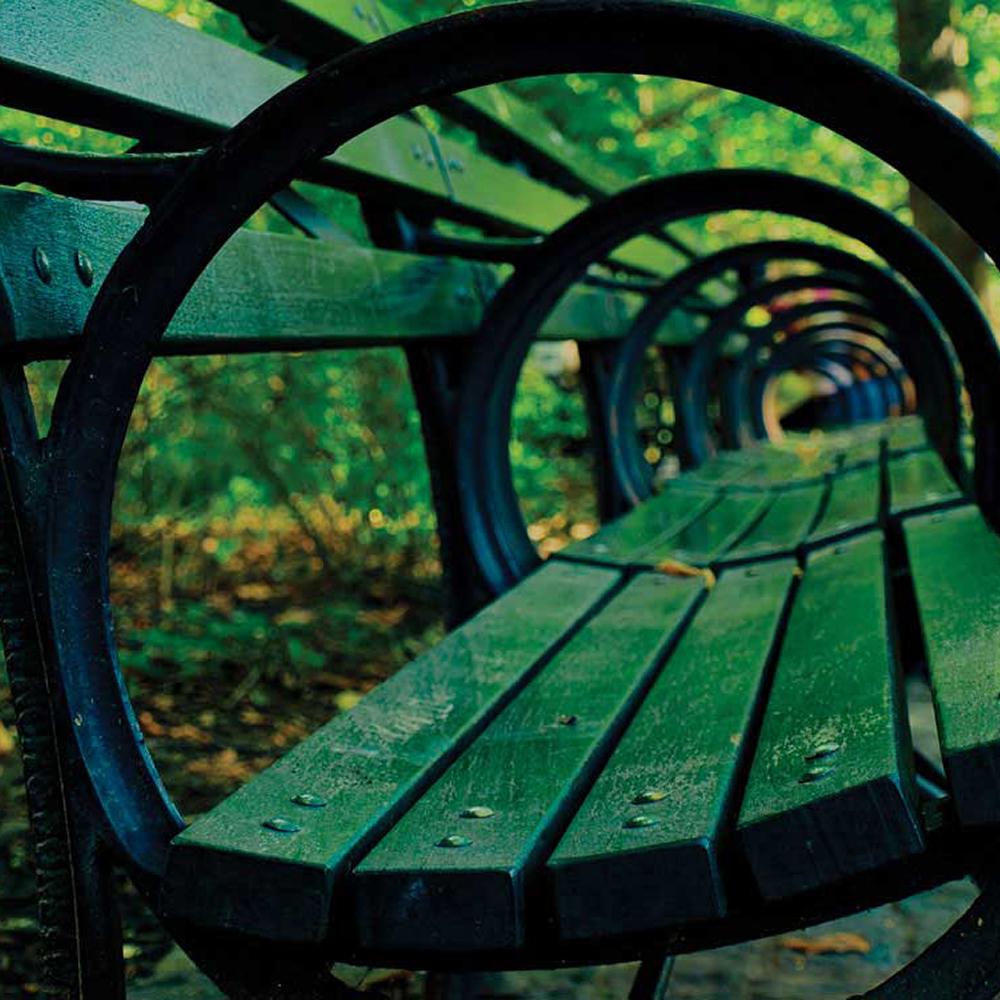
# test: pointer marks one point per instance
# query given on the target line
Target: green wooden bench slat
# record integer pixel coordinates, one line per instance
(307, 23)
(955, 560)
(228, 870)
(530, 767)
(919, 480)
(661, 516)
(704, 539)
(863, 452)
(854, 503)
(831, 791)
(263, 291)
(136, 88)
(642, 851)
(906, 434)
(784, 527)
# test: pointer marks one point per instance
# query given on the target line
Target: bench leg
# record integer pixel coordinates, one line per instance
(78, 921)
(435, 373)
(653, 978)
(597, 361)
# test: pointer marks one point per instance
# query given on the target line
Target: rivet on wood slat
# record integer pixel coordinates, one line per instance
(476, 812)
(653, 795)
(750, 572)
(418, 153)
(281, 825)
(84, 268)
(309, 800)
(822, 750)
(457, 165)
(815, 774)
(568, 720)
(42, 266)
(640, 822)
(454, 840)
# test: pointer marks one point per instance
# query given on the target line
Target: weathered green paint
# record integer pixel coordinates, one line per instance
(863, 452)
(321, 28)
(919, 480)
(263, 291)
(784, 527)
(229, 871)
(955, 560)
(812, 814)
(677, 765)
(854, 503)
(135, 89)
(531, 766)
(660, 517)
(906, 434)
(705, 538)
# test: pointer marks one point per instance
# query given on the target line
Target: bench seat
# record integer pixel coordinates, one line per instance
(618, 746)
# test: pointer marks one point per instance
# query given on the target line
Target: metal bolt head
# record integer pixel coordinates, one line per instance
(454, 841)
(84, 268)
(823, 750)
(640, 822)
(750, 572)
(568, 720)
(457, 165)
(651, 795)
(815, 774)
(309, 801)
(418, 153)
(476, 812)
(43, 268)
(281, 825)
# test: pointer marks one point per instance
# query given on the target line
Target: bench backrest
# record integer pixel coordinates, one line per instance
(112, 65)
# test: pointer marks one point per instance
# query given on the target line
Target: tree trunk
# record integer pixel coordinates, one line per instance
(931, 56)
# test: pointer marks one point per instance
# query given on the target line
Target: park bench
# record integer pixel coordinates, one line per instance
(686, 730)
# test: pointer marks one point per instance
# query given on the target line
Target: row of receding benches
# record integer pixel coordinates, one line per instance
(650, 737)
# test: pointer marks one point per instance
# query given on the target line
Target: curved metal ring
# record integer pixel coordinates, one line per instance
(896, 392)
(939, 388)
(692, 402)
(737, 415)
(493, 517)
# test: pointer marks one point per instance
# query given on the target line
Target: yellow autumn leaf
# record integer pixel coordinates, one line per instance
(673, 567)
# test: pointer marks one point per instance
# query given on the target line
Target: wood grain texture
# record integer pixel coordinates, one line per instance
(228, 870)
(620, 542)
(703, 540)
(919, 480)
(530, 768)
(955, 562)
(135, 88)
(784, 527)
(262, 292)
(673, 774)
(854, 503)
(831, 789)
